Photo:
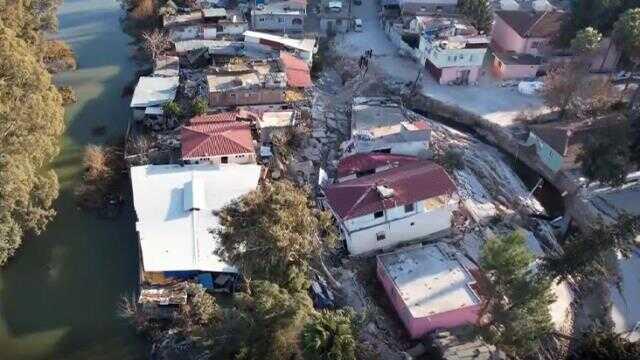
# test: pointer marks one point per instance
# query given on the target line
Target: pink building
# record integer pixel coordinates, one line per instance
(430, 287)
(520, 38)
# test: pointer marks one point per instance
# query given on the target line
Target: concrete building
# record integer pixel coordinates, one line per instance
(274, 122)
(404, 138)
(285, 16)
(428, 7)
(176, 208)
(151, 93)
(302, 48)
(385, 209)
(335, 16)
(431, 287)
(452, 51)
(217, 143)
(208, 23)
(252, 83)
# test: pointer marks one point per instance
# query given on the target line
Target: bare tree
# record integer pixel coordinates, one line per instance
(155, 42)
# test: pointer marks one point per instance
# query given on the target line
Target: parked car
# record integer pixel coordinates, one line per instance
(357, 2)
(357, 25)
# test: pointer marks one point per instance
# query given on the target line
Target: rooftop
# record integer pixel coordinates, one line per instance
(175, 206)
(275, 119)
(214, 118)
(156, 90)
(245, 76)
(181, 19)
(214, 12)
(282, 7)
(297, 70)
(219, 47)
(216, 139)
(530, 24)
(513, 58)
(366, 162)
(167, 66)
(307, 44)
(431, 279)
(358, 197)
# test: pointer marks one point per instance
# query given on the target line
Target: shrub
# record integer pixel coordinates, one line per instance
(68, 95)
(199, 106)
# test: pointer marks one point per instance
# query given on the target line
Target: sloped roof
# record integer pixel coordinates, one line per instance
(539, 24)
(216, 139)
(297, 70)
(364, 162)
(410, 183)
(214, 118)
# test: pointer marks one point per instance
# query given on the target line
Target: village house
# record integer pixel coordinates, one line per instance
(176, 207)
(217, 143)
(283, 16)
(335, 16)
(558, 144)
(382, 210)
(428, 7)
(383, 125)
(520, 39)
(271, 123)
(151, 94)
(431, 287)
(208, 23)
(303, 48)
(452, 51)
(359, 165)
(249, 83)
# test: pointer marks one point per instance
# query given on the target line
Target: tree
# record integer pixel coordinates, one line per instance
(584, 256)
(517, 299)
(199, 106)
(604, 344)
(605, 157)
(478, 12)
(155, 42)
(562, 85)
(31, 122)
(599, 14)
(172, 109)
(330, 335)
(586, 42)
(278, 225)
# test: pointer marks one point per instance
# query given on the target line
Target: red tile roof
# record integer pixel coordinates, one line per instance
(410, 183)
(214, 118)
(364, 162)
(216, 139)
(298, 73)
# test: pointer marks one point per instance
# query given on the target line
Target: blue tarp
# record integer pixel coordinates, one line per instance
(206, 280)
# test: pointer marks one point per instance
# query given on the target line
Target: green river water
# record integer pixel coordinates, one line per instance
(59, 294)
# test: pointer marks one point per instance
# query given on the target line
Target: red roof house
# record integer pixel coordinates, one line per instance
(297, 70)
(359, 165)
(217, 142)
(405, 203)
(214, 118)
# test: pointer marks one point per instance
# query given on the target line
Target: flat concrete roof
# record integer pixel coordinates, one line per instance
(431, 279)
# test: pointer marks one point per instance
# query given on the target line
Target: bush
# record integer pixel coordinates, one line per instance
(57, 56)
(452, 160)
(68, 95)
(172, 109)
(199, 106)
(102, 165)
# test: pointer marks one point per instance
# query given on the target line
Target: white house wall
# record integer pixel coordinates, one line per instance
(248, 158)
(413, 148)
(451, 57)
(398, 227)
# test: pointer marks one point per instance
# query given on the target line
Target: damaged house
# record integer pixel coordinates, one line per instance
(398, 205)
(282, 16)
(151, 94)
(217, 143)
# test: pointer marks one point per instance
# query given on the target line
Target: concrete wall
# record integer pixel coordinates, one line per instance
(506, 72)
(418, 327)
(397, 226)
(507, 38)
(413, 148)
(451, 74)
(246, 97)
(248, 158)
(278, 22)
(336, 25)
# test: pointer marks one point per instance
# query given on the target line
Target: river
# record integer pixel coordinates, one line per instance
(59, 294)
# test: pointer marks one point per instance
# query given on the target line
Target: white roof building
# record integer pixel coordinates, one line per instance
(306, 45)
(153, 91)
(176, 207)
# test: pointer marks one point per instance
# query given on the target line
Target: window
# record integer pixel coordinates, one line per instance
(339, 22)
(280, 20)
(380, 235)
(261, 19)
(409, 208)
(224, 159)
(378, 214)
(296, 21)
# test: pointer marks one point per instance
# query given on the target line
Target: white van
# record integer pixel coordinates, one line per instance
(357, 25)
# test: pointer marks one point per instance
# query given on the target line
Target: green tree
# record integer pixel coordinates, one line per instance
(517, 299)
(330, 335)
(605, 157)
(604, 344)
(478, 12)
(199, 106)
(31, 122)
(586, 42)
(172, 109)
(584, 256)
(279, 226)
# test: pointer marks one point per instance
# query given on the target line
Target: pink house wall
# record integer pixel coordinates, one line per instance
(505, 72)
(509, 40)
(418, 327)
(450, 74)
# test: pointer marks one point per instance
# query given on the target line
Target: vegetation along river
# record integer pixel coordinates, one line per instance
(59, 294)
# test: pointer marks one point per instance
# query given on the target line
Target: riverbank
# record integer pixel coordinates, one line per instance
(59, 295)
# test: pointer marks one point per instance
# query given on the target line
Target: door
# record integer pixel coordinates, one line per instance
(224, 160)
